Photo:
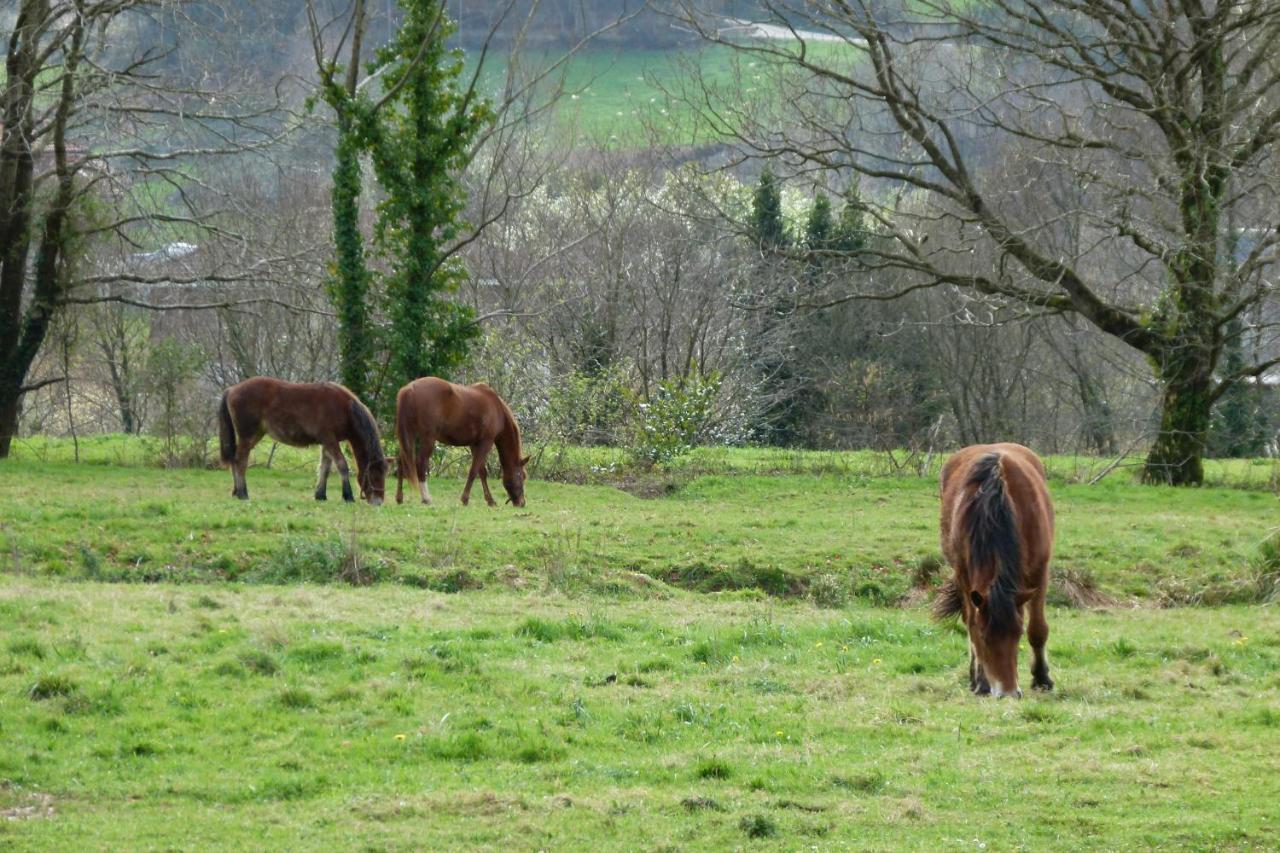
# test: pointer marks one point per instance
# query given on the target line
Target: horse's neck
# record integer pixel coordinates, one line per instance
(359, 447)
(508, 443)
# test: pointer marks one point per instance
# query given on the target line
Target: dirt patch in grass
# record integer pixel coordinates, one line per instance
(26, 806)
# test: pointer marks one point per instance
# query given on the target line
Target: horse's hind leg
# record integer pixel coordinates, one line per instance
(1038, 635)
(240, 465)
(322, 478)
(423, 468)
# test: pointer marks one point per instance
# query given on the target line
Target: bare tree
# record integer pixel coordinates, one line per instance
(1163, 119)
(101, 125)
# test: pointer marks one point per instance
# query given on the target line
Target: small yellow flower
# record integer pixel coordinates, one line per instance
(844, 648)
(401, 737)
(777, 734)
(818, 645)
(735, 658)
(876, 660)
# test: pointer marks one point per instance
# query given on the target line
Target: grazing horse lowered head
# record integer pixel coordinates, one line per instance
(302, 415)
(997, 534)
(431, 410)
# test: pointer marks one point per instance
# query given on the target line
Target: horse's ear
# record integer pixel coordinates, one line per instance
(1026, 595)
(525, 461)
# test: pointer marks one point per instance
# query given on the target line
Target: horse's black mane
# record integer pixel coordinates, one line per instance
(993, 541)
(367, 429)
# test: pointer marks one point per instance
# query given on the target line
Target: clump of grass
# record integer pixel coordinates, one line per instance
(1071, 587)
(872, 782)
(702, 577)
(699, 804)
(230, 668)
(317, 652)
(712, 768)
(550, 631)
(468, 746)
(1036, 712)
(26, 647)
(711, 651)
(305, 560)
(259, 662)
(51, 686)
(927, 568)
(296, 698)
(538, 752)
(207, 602)
(1265, 581)
(758, 826)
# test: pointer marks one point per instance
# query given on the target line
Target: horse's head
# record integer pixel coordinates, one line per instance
(994, 618)
(513, 481)
(373, 480)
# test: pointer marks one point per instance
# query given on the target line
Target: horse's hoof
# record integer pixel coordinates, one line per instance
(982, 690)
(1046, 685)
(426, 501)
(321, 497)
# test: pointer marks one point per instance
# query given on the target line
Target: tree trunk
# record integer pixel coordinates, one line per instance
(10, 408)
(1177, 457)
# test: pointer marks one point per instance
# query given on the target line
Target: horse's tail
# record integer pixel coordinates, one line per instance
(226, 430)
(995, 555)
(404, 437)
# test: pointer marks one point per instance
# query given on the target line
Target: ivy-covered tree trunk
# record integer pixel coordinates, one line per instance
(349, 286)
(1176, 457)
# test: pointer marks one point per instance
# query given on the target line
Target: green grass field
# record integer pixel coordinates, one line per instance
(703, 660)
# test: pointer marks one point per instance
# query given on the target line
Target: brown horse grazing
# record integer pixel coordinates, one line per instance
(997, 533)
(430, 410)
(322, 413)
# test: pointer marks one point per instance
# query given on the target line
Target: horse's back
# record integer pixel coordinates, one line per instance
(460, 415)
(1024, 477)
(296, 413)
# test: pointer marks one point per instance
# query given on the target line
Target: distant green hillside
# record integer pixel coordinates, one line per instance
(638, 97)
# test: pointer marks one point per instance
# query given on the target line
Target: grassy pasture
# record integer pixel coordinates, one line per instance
(394, 718)
(821, 526)
(696, 660)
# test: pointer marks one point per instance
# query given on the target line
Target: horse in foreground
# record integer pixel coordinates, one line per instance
(997, 534)
(302, 415)
(431, 410)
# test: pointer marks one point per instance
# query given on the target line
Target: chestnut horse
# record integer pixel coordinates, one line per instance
(997, 533)
(431, 410)
(301, 415)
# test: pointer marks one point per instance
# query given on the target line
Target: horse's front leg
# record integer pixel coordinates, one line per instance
(334, 450)
(322, 477)
(1038, 635)
(478, 454)
(977, 676)
(484, 483)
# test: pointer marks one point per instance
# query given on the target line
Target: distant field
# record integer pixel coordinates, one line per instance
(828, 527)
(234, 717)
(637, 98)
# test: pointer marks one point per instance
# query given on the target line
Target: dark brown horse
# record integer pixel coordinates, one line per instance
(431, 410)
(997, 533)
(322, 413)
